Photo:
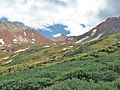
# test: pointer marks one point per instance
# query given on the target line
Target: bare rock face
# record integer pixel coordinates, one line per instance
(11, 33)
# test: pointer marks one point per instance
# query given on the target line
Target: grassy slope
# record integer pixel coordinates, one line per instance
(95, 45)
(98, 72)
(94, 68)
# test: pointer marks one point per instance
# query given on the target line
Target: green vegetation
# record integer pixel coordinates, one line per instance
(86, 67)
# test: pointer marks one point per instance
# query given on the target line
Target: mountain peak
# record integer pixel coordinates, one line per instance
(3, 19)
(6, 20)
(12, 33)
(108, 27)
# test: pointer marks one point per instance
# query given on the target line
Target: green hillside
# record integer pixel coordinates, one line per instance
(90, 66)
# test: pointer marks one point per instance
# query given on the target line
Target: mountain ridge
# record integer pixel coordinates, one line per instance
(108, 27)
(11, 33)
(94, 63)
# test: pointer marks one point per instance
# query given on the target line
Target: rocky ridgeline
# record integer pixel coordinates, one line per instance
(11, 33)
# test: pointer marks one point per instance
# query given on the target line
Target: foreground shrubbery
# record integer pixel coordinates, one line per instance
(97, 70)
(76, 84)
(50, 77)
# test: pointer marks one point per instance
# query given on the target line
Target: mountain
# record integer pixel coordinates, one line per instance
(12, 33)
(3, 19)
(94, 65)
(61, 38)
(50, 30)
(106, 28)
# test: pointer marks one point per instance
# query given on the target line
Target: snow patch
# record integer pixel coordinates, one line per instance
(33, 34)
(15, 55)
(6, 57)
(6, 62)
(64, 49)
(82, 39)
(20, 50)
(2, 42)
(14, 40)
(93, 32)
(33, 39)
(46, 46)
(119, 42)
(25, 34)
(97, 37)
(71, 46)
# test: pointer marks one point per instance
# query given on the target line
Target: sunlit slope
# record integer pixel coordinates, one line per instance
(98, 69)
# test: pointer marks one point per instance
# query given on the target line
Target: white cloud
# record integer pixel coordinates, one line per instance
(57, 35)
(38, 13)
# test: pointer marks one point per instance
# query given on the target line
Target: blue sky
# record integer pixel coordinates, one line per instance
(78, 16)
(54, 30)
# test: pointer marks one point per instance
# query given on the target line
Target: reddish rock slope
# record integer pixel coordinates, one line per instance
(12, 33)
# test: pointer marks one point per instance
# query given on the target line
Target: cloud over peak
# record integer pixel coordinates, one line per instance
(71, 13)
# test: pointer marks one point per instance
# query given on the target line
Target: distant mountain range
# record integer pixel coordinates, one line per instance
(52, 30)
(17, 32)
(5, 20)
(87, 62)
(48, 31)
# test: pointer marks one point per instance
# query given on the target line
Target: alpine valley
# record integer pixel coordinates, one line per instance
(30, 61)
